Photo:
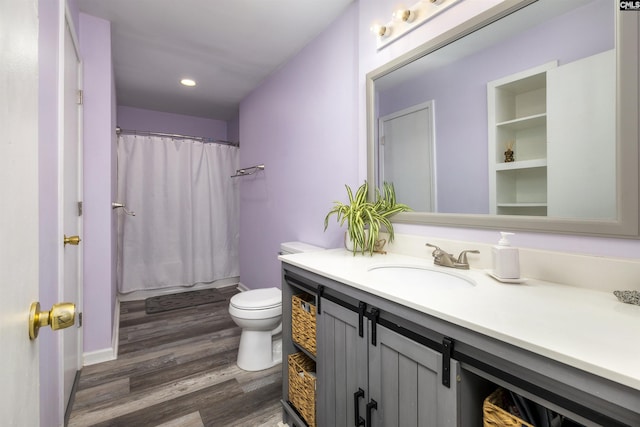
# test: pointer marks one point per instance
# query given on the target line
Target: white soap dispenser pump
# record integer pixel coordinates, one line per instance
(506, 260)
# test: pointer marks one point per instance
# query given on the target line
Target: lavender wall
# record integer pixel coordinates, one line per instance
(301, 124)
(233, 129)
(460, 95)
(99, 296)
(310, 151)
(131, 118)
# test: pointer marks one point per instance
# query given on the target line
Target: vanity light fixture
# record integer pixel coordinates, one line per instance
(188, 82)
(407, 19)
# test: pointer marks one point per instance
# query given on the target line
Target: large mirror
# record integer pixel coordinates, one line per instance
(525, 117)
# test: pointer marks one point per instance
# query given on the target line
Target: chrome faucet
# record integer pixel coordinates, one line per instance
(445, 259)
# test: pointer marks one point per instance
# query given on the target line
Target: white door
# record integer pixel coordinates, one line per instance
(19, 375)
(581, 143)
(71, 256)
(407, 155)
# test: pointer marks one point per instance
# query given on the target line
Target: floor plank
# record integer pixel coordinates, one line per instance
(177, 368)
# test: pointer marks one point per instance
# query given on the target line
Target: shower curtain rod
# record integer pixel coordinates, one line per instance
(177, 136)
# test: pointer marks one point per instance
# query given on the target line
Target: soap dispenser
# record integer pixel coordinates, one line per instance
(506, 261)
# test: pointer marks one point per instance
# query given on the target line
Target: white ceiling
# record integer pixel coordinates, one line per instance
(228, 46)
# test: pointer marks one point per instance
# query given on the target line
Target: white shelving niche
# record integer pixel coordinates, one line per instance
(517, 114)
(561, 122)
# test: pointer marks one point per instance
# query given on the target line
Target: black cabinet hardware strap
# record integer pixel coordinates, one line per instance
(320, 294)
(374, 316)
(359, 421)
(447, 350)
(299, 284)
(371, 405)
(362, 307)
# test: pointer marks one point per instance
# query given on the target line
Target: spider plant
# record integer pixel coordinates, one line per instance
(365, 219)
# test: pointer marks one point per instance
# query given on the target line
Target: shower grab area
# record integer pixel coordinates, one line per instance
(185, 231)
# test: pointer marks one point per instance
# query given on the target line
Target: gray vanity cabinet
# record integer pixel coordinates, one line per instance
(386, 380)
(405, 379)
(342, 366)
(396, 357)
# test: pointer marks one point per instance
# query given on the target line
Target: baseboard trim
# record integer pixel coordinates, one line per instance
(107, 354)
(242, 287)
(98, 356)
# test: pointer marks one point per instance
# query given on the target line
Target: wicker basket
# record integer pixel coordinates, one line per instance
(302, 386)
(303, 321)
(495, 415)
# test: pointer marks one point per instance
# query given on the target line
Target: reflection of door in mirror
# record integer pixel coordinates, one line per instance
(406, 153)
(581, 147)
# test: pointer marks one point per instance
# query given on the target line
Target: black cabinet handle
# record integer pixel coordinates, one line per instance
(371, 405)
(359, 421)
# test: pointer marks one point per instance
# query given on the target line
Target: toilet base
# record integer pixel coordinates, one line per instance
(258, 350)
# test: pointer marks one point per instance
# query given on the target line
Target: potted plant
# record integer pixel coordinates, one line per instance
(365, 219)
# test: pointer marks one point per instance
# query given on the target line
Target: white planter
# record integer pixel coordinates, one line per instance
(348, 243)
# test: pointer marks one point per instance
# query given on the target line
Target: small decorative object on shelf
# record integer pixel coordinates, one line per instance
(508, 155)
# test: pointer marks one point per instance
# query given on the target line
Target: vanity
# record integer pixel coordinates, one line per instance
(401, 342)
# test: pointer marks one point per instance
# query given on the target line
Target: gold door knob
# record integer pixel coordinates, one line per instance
(72, 240)
(61, 315)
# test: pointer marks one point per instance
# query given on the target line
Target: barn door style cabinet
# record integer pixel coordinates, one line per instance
(379, 363)
(373, 375)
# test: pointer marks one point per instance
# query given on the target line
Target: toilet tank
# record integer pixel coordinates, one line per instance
(297, 247)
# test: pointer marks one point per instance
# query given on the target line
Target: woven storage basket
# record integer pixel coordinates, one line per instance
(495, 415)
(302, 386)
(303, 322)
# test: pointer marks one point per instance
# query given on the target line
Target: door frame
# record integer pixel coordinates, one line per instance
(65, 19)
(430, 139)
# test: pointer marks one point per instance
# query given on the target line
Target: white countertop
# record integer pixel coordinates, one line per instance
(587, 329)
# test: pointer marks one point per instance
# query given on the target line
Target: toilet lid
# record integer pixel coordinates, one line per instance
(257, 299)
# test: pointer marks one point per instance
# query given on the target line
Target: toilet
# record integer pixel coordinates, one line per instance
(259, 313)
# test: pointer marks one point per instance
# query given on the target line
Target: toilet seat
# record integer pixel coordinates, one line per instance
(257, 299)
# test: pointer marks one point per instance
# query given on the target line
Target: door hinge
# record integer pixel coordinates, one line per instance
(79, 208)
(80, 97)
(79, 319)
(382, 140)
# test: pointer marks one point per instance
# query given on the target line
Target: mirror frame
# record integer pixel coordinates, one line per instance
(627, 161)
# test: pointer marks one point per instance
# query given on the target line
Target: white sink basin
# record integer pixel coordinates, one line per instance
(416, 275)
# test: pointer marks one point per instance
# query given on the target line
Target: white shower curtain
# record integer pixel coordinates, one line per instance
(186, 225)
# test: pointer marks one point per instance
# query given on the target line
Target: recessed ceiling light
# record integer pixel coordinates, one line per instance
(188, 82)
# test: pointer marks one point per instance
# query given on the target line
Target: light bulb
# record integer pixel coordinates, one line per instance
(404, 15)
(381, 31)
(188, 82)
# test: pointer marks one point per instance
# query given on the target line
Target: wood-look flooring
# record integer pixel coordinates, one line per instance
(177, 368)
